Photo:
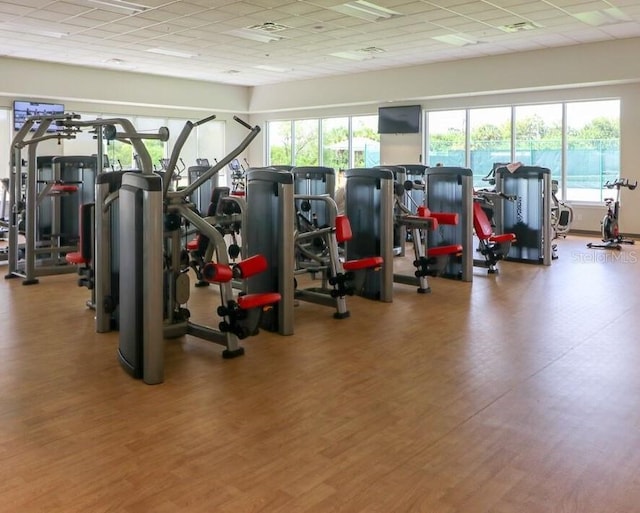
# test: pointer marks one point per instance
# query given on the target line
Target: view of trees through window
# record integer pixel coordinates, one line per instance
(345, 142)
(589, 146)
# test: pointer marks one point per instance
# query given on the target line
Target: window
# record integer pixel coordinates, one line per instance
(582, 156)
(365, 141)
(210, 145)
(5, 143)
(155, 147)
(306, 142)
(335, 143)
(539, 137)
(341, 148)
(279, 143)
(489, 140)
(447, 138)
(593, 148)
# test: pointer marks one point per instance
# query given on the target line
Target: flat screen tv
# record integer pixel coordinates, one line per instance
(399, 120)
(23, 109)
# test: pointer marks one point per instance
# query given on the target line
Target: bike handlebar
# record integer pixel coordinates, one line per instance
(621, 182)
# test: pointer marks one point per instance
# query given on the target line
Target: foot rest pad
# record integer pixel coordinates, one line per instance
(75, 258)
(249, 301)
(444, 250)
(363, 263)
(505, 237)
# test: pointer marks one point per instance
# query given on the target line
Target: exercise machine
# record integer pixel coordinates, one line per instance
(450, 189)
(528, 216)
(314, 181)
(611, 236)
(493, 247)
(28, 261)
(271, 231)
(561, 213)
(427, 261)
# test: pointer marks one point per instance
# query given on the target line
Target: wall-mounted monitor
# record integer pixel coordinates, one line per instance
(24, 109)
(403, 119)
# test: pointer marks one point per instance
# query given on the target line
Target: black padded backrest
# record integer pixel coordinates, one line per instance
(216, 195)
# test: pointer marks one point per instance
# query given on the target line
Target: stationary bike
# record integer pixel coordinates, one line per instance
(611, 237)
(561, 213)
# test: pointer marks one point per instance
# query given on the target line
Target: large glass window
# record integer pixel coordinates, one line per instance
(346, 142)
(279, 143)
(335, 143)
(579, 142)
(489, 140)
(210, 145)
(306, 142)
(155, 147)
(5, 142)
(365, 141)
(593, 148)
(447, 138)
(539, 137)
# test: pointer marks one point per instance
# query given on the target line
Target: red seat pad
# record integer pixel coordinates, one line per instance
(444, 250)
(343, 229)
(192, 245)
(363, 263)
(60, 188)
(481, 223)
(249, 301)
(445, 217)
(505, 237)
(75, 258)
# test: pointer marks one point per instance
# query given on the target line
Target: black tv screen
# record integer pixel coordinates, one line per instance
(24, 109)
(399, 120)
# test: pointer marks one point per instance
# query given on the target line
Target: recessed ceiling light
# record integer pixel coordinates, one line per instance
(123, 5)
(352, 56)
(603, 17)
(365, 10)
(171, 53)
(456, 39)
(36, 30)
(266, 67)
(254, 35)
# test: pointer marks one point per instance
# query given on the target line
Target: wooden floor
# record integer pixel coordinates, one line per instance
(519, 393)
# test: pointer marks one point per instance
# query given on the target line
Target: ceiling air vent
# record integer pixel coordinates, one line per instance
(372, 50)
(268, 27)
(519, 27)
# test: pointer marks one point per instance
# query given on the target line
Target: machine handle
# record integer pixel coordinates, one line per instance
(243, 123)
